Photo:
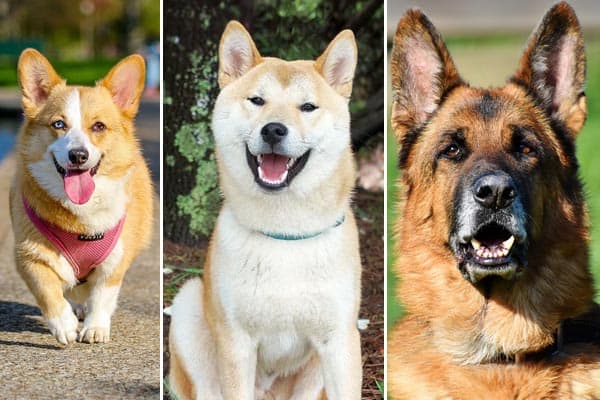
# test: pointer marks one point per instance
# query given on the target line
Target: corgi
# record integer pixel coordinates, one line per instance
(275, 315)
(81, 201)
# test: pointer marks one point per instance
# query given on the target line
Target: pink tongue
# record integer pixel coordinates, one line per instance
(273, 166)
(79, 185)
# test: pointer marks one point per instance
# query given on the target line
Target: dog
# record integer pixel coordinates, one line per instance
(493, 234)
(81, 201)
(275, 315)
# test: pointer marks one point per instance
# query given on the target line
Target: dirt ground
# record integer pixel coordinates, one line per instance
(187, 262)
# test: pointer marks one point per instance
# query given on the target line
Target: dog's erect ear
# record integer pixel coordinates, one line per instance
(237, 53)
(338, 62)
(125, 81)
(37, 78)
(422, 72)
(553, 67)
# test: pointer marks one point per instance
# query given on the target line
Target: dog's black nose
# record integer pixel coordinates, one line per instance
(495, 190)
(78, 156)
(273, 132)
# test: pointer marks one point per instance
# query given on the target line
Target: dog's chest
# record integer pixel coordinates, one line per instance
(282, 353)
(269, 286)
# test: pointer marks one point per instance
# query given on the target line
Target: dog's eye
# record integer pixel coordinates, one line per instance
(59, 124)
(257, 101)
(308, 107)
(452, 152)
(98, 127)
(526, 149)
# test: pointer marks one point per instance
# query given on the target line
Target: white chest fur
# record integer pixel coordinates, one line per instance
(283, 294)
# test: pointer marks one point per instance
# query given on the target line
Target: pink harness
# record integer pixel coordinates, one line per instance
(84, 252)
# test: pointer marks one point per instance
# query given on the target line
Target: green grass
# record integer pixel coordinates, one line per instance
(76, 72)
(394, 309)
(588, 145)
(471, 53)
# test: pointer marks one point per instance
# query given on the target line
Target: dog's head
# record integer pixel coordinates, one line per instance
(73, 135)
(281, 125)
(491, 174)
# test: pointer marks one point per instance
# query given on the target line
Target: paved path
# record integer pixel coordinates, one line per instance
(32, 363)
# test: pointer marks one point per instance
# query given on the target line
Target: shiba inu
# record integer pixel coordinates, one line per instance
(81, 201)
(493, 234)
(275, 314)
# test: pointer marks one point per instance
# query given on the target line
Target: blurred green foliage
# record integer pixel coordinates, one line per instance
(289, 29)
(85, 72)
(79, 29)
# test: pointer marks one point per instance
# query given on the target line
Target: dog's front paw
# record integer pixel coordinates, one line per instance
(94, 334)
(64, 326)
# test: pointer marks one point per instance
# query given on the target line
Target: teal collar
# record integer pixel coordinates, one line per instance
(291, 236)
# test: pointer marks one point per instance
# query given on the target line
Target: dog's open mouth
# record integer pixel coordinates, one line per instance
(274, 171)
(78, 183)
(492, 251)
(491, 245)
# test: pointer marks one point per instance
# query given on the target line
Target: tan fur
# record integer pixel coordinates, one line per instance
(36, 257)
(452, 343)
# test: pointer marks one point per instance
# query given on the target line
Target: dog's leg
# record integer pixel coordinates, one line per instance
(100, 306)
(341, 363)
(309, 381)
(193, 367)
(237, 356)
(104, 286)
(47, 288)
(77, 296)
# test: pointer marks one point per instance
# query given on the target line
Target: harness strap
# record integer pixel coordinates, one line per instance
(83, 251)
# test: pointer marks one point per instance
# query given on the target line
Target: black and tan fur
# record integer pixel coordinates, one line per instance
(472, 330)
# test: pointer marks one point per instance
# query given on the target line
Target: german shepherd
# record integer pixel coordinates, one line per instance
(493, 235)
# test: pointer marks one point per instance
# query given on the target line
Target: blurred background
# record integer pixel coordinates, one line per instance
(289, 29)
(485, 39)
(87, 36)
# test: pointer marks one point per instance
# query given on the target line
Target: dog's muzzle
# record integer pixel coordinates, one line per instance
(273, 168)
(489, 237)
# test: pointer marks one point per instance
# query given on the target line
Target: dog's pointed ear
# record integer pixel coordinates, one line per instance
(422, 72)
(237, 53)
(125, 82)
(552, 67)
(36, 78)
(338, 62)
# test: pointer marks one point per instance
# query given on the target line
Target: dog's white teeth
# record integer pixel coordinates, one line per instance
(279, 181)
(476, 244)
(259, 158)
(291, 162)
(508, 243)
